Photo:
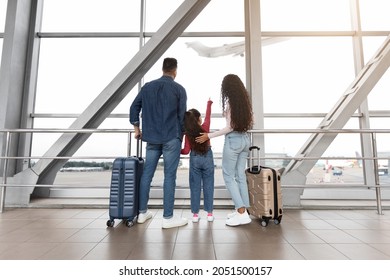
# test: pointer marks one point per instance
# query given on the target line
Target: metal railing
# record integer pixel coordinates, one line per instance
(7, 136)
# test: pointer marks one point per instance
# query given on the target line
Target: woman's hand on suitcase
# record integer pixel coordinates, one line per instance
(202, 138)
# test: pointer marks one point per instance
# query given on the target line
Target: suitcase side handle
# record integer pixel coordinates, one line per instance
(254, 147)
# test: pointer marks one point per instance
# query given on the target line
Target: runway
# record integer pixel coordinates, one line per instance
(92, 188)
(350, 175)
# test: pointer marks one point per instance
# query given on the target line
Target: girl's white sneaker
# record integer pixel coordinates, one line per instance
(195, 218)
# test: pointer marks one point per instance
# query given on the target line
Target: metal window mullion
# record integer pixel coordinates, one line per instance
(364, 120)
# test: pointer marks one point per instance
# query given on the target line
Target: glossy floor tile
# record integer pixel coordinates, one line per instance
(82, 234)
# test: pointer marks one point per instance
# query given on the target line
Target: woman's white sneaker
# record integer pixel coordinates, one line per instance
(238, 219)
(231, 215)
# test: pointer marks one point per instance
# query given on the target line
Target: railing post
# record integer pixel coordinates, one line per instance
(129, 144)
(377, 183)
(5, 171)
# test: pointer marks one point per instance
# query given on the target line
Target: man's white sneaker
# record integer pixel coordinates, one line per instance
(238, 219)
(143, 217)
(174, 222)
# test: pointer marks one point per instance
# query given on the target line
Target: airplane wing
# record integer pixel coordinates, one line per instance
(201, 49)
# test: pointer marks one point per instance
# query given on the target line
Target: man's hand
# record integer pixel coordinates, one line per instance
(137, 132)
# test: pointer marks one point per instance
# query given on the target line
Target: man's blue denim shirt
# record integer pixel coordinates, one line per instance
(163, 103)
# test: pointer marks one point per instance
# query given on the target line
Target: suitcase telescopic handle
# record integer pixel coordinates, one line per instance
(251, 165)
(139, 147)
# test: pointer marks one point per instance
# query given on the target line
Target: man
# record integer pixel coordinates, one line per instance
(164, 103)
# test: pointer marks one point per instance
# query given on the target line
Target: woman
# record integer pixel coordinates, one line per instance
(237, 109)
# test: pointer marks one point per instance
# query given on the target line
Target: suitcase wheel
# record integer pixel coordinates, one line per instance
(264, 222)
(278, 220)
(129, 223)
(110, 223)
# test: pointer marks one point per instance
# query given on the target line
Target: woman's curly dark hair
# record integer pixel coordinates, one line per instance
(234, 92)
(193, 130)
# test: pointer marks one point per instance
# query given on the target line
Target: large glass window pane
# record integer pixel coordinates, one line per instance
(100, 144)
(378, 98)
(375, 15)
(383, 151)
(43, 141)
(91, 16)
(229, 16)
(379, 95)
(305, 15)
(86, 66)
(306, 75)
(3, 11)
(276, 143)
(157, 12)
(201, 76)
(371, 45)
(72, 72)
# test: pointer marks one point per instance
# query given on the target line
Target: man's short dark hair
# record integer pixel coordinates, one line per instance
(169, 64)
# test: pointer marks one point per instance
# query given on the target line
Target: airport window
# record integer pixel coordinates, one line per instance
(91, 16)
(297, 71)
(305, 15)
(307, 63)
(230, 17)
(381, 90)
(380, 93)
(379, 8)
(83, 67)
(3, 10)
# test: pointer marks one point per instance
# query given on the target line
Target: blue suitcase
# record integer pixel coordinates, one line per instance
(124, 189)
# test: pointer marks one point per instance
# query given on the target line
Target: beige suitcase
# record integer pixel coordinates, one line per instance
(265, 194)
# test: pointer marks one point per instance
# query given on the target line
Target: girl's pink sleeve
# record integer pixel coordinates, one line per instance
(206, 122)
(187, 146)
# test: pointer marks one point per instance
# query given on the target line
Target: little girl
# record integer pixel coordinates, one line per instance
(201, 162)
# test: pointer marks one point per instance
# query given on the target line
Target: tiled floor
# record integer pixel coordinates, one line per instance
(75, 234)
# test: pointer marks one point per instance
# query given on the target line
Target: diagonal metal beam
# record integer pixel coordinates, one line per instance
(118, 88)
(347, 105)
